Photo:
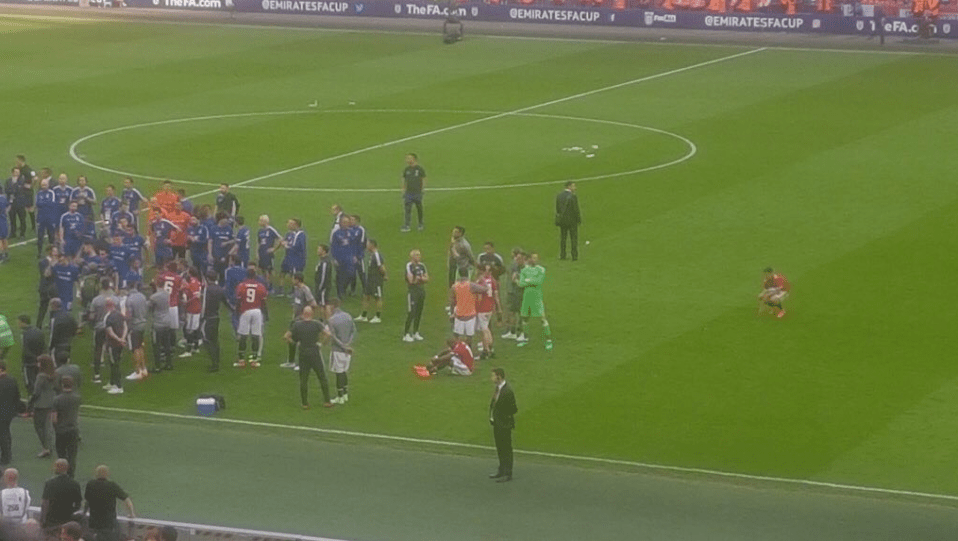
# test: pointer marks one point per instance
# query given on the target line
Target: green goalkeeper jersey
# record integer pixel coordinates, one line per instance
(531, 280)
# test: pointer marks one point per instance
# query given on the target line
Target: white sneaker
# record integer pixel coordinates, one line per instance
(375, 320)
(408, 338)
(509, 336)
(287, 365)
(134, 376)
(343, 399)
(360, 318)
(338, 401)
(522, 338)
(186, 354)
(108, 387)
(296, 368)
(116, 390)
(418, 336)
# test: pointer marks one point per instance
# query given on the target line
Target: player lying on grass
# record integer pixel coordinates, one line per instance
(775, 289)
(458, 357)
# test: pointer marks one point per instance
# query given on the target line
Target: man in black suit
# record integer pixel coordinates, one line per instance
(10, 407)
(33, 347)
(502, 412)
(568, 219)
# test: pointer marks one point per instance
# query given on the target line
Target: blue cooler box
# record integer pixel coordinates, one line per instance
(206, 406)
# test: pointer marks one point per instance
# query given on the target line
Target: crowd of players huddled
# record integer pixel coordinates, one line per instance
(93, 251)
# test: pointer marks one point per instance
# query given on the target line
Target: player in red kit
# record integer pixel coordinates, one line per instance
(458, 357)
(170, 281)
(486, 304)
(192, 292)
(775, 289)
(251, 301)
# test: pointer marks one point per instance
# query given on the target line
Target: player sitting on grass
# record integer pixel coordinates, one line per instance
(775, 289)
(458, 357)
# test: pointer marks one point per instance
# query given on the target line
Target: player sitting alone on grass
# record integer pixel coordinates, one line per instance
(458, 357)
(775, 289)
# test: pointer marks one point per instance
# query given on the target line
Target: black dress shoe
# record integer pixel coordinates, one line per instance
(504, 479)
(496, 475)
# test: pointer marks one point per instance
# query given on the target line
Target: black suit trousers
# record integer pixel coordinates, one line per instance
(503, 437)
(572, 232)
(6, 442)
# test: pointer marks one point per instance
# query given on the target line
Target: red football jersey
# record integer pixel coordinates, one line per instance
(251, 294)
(778, 281)
(182, 221)
(486, 302)
(193, 293)
(461, 350)
(172, 283)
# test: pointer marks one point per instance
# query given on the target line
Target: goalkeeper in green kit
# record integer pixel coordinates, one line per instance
(531, 278)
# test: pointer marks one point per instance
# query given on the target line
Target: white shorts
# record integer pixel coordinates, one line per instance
(339, 362)
(464, 327)
(175, 316)
(482, 320)
(251, 322)
(775, 294)
(192, 322)
(458, 368)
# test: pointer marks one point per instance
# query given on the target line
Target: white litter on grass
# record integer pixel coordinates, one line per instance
(352, 103)
(314, 104)
(589, 153)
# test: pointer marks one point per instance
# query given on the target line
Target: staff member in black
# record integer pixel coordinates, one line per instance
(306, 332)
(66, 423)
(27, 178)
(568, 219)
(63, 329)
(33, 347)
(213, 296)
(10, 407)
(502, 410)
(413, 183)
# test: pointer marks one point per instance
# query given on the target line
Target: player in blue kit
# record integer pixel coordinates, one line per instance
(294, 261)
(47, 218)
(65, 274)
(72, 230)
(133, 199)
(222, 243)
(120, 257)
(135, 241)
(232, 276)
(162, 251)
(242, 240)
(344, 256)
(109, 206)
(84, 196)
(267, 241)
(357, 241)
(64, 193)
(198, 237)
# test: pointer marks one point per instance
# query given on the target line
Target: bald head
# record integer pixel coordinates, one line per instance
(61, 466)
(10, 477)
(101, 472)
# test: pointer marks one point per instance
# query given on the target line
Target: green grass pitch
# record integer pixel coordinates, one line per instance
(837, 169)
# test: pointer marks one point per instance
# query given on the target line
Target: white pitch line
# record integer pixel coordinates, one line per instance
(561, 456)
(692, 149)
(502, 115)
(394, 142)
